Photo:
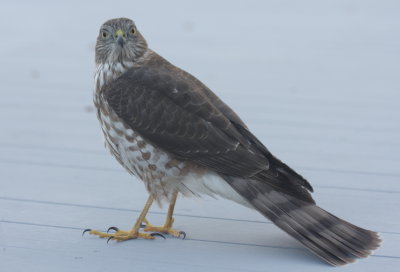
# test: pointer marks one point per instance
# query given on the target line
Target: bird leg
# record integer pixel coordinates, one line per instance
(121, 235)
(167, 228)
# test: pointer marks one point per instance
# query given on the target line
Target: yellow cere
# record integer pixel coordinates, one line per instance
(120, 32)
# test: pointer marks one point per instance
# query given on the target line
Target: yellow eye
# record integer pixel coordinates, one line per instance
(104, 34)
(133, 31)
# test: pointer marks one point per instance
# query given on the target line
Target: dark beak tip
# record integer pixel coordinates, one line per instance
(121, 41)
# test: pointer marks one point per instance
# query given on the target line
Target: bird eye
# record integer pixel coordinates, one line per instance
(104, 34)
(133, 31)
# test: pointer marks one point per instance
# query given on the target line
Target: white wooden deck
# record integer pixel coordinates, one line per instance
(317, 82)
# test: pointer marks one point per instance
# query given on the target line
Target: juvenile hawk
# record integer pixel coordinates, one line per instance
(171, 131)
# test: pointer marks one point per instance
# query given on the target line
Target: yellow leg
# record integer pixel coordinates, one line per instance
(167, 228)
(134, 233)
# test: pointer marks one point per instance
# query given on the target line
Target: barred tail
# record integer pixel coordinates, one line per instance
(336, 241)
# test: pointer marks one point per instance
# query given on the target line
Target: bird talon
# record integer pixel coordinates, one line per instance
(183, 234)
(110, 238)
(112, 228)
(86, 230)
(157, 234)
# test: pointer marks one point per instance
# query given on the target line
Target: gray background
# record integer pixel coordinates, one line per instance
(316, 81)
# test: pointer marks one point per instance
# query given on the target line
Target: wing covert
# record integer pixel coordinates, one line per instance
(172, 112)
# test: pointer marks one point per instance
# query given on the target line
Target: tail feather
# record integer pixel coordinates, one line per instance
(336, 241)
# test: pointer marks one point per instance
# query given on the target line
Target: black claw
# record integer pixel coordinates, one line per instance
(108, 240)
(183, 234)
(157, 234)
(142, 225)
(113, 228)
(86, 230)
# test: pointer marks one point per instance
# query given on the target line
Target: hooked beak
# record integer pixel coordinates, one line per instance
(120, 37)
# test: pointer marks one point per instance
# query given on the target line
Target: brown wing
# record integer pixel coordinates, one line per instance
(168, 112)
(178, 114)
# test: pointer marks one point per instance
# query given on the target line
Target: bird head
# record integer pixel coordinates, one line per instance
(119, 41)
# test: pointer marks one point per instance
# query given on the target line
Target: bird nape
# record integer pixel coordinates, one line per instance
(172, 132)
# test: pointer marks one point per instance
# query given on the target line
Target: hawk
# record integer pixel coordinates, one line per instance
(168, 129)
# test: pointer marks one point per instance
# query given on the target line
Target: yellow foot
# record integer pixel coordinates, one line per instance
(121, 235)
(167, 228)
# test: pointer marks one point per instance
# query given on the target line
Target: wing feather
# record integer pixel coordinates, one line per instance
(180, 115)
(169, 112)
